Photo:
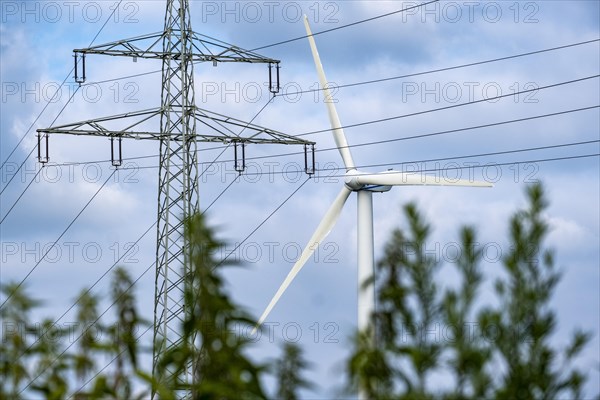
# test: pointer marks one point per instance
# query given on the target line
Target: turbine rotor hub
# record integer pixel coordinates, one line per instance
(353, 182)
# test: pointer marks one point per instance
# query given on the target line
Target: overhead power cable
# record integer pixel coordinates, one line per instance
(215, 160)
(452, 106)
(39, 170)
(421, 161)
(492, 124)
(379, 165)
(418, 113)
(36, 119)
(390, 78)
(327, 130)
(419, 136)
(33, 149)
(270, 215)
(484, 155)
(89, 289)
(148, 269)
(115, 358)
(57, 90)
(364, 144)
(72, 342)
(433, 71)
(263, 47)
(59, 237)
(391, 164)
(320, 89)
(423, 135)
(539, 160)
(146, 232)
(21, 195)
(337, 28)
(292, 39)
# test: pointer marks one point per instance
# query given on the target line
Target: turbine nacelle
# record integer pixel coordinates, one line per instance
(353, 181)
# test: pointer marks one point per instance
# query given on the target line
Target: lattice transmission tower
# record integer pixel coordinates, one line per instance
(178, 124)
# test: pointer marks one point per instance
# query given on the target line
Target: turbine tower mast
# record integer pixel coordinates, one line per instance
(177, 117)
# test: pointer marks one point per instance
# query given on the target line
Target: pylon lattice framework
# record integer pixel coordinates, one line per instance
(178, 117)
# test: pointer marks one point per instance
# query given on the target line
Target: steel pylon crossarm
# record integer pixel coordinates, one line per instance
(203, 48)
(141, 125)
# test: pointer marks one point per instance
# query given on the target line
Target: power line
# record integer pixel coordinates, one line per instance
(115, 264)
(89, 289)
(105, 22)
(439, 133)
(347, 25)
(391, 78)
(21, 195)
(539, 160)
(102, 277)
(373, 165)
(481, 155)
(292, 39)
(262, 223)
(301, 38)
(320, 89)
(57, 90)
(529, 53)
(270, 215)
(311, 133)
(83, 333)
(512, 121)
(150, 267)
(426, 160)
(506, 152)
(448, 158)
(115, 357)
(419, 136)
(254, 231)
(286, 41)
(215, 160)
(144, 234)
(371, 143)
(56, 241)
(33, 149)
(229, 144)
(456, 158)
(453, 105)
(537, 148)
(263, 47)
(36, 119)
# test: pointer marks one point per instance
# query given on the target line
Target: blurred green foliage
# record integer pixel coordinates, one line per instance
(423, 331)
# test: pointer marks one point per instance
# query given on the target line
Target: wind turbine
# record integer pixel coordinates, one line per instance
(363, 184)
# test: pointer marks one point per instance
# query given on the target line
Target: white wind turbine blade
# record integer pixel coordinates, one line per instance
(414, 179)
(327, 223)
(336, 126)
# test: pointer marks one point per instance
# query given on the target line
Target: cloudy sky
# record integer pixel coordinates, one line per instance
(319, 309)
